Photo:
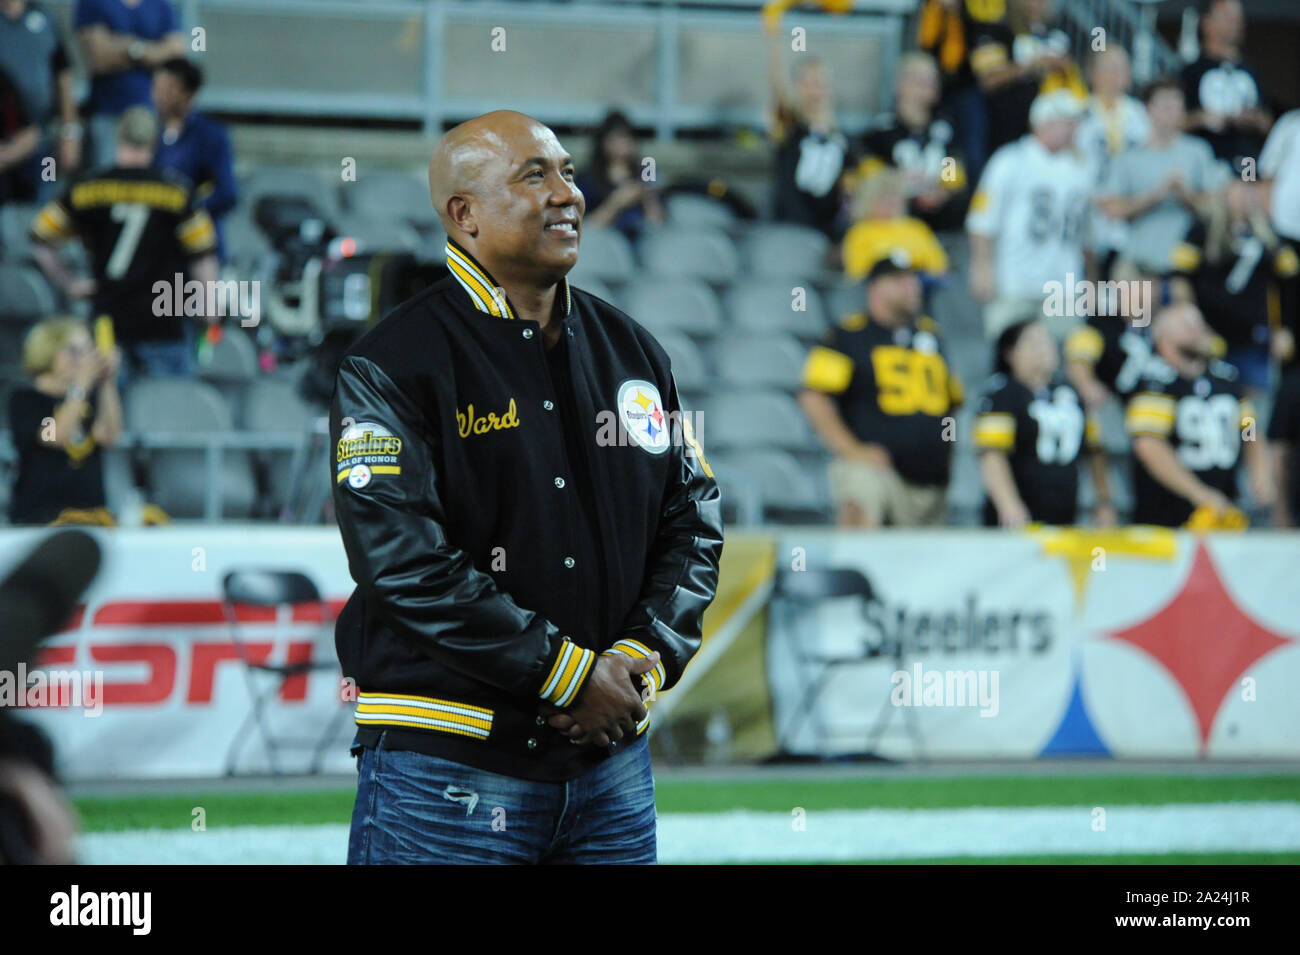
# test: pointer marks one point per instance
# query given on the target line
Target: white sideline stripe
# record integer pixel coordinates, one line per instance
(743, 836)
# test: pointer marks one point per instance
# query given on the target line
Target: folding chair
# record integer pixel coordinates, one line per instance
(276, 589)
(797, 593)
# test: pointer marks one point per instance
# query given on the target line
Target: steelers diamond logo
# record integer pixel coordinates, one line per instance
(643, 415)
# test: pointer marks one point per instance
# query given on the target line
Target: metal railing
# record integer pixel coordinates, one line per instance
(670, 67)
(1126, 24)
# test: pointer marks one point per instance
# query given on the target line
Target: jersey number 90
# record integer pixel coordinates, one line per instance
(1208, 431)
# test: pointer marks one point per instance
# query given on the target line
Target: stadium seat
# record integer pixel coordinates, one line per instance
(691, 211)
(24, 292)
(689, 368)
(15, 240)
(742, 498)
(392, 195)
(245, 243)
(286, 181)
(687, 305)
(379, 233)
(707, 254)
(764, 308)
(234, 359)
(844, 298)
(230, 365)
(274, 405)
(603, 254)
(178, 477)
(774, 361)
(789, 493)
(597, 288)
(756, 419)
(774, 249)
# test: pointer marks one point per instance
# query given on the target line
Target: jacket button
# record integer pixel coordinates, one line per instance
(541, 720)
(528, 333)
(532, 744)
(548, 405)
(569, 562)
(559, 482)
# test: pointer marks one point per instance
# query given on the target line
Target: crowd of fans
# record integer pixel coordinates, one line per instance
(1123, 249)
(1174, 211)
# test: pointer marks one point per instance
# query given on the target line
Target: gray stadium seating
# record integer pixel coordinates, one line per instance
(274, 405)
(177, 478)
(774, 361)
(388, 194)
(603, 254)
(707, 254)
(844, 298)
(756, 418)
(689, 368)
(287, 181)
(245, 243)
(234, 359)
(24, 291)
(685, 305)
(781, 249)
(764, 308)
(15, 219)
(690, 211)
(597, 288)
(379, 233)
(788, 490)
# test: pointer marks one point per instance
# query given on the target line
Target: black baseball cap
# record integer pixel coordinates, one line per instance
(898, 262)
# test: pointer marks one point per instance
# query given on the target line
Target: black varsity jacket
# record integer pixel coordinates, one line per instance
(456, 499)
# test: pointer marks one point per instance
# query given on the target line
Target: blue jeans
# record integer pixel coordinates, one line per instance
(158, 359)
(414, 809)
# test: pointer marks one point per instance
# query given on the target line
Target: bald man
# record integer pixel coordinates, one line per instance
(533, 529)
(1190, 427)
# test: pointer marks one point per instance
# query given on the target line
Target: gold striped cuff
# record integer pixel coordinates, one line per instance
(639, 651)
(567, 675)
(424, 712)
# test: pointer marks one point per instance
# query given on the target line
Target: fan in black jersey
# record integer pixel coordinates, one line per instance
(880, 395)
(1031, 431)
(918, 141)
(1191, 427)
(1232, 265)
(812, 153)
(1107, 357)
(140, 227)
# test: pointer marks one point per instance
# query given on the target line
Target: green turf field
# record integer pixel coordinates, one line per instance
(1264, 809)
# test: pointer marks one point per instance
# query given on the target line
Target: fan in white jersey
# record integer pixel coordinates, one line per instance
(1114, 123)
(1027, 219)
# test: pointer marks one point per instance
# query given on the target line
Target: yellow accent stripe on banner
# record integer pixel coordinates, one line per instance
(1080, 547)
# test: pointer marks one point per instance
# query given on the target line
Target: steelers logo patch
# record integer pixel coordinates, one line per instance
(642, 413)
(365, 451)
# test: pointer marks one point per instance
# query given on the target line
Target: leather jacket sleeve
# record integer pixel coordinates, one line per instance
(682, 571)
(419, 584)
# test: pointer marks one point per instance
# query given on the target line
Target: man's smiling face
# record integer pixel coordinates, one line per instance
(528, 210)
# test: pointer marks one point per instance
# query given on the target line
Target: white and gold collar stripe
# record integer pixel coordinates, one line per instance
(483, 290)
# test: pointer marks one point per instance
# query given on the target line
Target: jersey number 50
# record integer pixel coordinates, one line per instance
(910, 382)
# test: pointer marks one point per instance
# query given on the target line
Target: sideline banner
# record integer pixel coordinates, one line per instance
(1134, 643)
(146, 682)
